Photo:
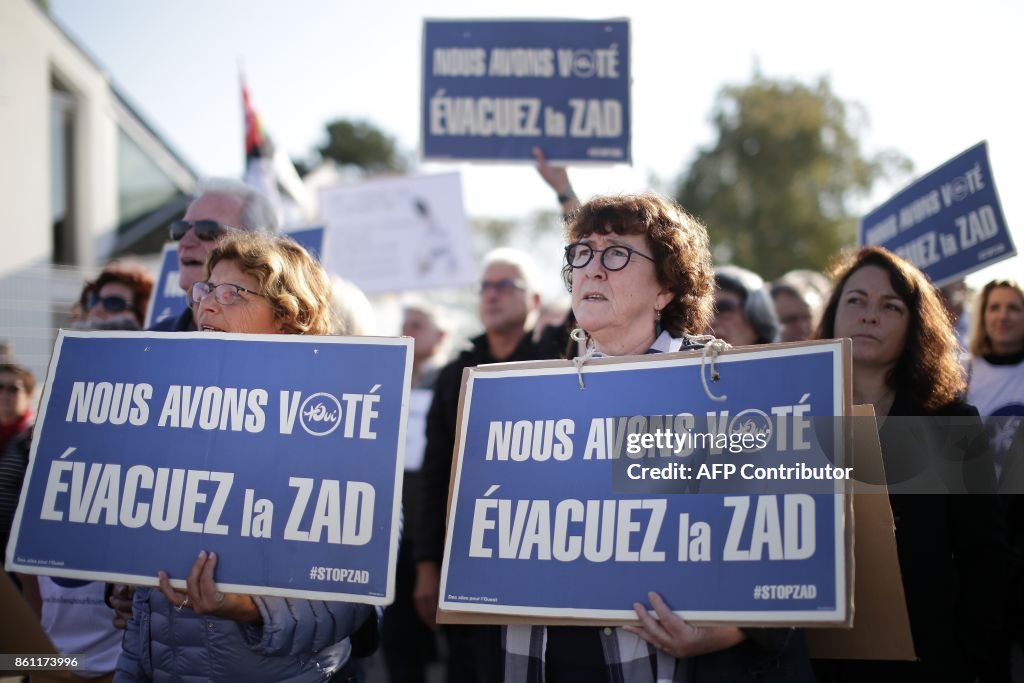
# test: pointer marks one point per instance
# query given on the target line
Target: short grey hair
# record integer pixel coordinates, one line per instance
(523, 262)
(757, 303)
(809, 286)
(354, 312)
(258, 214)
(418, 303)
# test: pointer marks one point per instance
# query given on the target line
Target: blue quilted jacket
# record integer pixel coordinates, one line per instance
(298, 641)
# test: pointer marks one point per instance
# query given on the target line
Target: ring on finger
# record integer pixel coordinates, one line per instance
(184, 603)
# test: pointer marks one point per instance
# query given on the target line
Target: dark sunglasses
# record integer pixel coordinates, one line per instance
(11, 388)
(111, 304)
(206, 230)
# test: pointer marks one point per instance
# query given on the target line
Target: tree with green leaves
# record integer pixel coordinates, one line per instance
(777, 187)
(362, 144)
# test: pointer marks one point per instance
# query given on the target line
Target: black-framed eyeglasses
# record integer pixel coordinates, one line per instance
(502, 286)
(615, 257)
(206, 230)
(225, 293)
(11, 388)
(111, 304)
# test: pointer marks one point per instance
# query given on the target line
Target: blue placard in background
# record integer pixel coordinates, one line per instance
(168, 298)
(536, 527)
(494, 90)
(312, 239)
(949, 223)
(281, 453)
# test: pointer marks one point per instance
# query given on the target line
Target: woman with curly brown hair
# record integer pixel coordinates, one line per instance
(639, 270)
(952, 548)
(255, 284)
(625, 304)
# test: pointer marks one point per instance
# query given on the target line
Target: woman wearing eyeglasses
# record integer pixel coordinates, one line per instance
(256, 284)
(639, 270)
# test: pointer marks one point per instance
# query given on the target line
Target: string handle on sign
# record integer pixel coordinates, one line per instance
(579, 336)
(712, 347)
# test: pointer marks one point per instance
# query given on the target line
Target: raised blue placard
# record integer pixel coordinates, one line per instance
(543, 522)
(494, 90)
(949, 223)
(281, 453)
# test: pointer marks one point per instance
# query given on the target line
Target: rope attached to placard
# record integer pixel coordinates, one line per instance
(712, 347)
(580, 337)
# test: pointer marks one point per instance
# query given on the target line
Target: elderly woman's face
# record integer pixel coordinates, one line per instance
(608, 304)
(873, 315)
(243, 312)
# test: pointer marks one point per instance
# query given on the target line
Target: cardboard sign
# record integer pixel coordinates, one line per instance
(494, 90)
(151, 447)
(537, 532)
(881, 624)
(949, 223)
(398, 234)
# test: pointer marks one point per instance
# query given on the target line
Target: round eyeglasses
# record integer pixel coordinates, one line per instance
(615, 257)
(225, 293)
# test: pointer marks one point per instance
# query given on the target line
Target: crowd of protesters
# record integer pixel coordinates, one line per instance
(640, 275)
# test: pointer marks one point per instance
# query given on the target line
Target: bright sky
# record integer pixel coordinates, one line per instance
(934, 77)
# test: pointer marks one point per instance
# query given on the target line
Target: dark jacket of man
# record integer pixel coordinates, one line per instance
(428, 527)
(183, 323)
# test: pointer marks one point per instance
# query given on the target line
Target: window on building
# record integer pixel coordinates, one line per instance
(141, 184)
(62, 172)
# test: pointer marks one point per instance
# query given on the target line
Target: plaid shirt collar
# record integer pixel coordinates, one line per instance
(626, 656)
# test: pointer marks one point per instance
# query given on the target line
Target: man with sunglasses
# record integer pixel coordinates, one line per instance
(508, 305)
(220, 206)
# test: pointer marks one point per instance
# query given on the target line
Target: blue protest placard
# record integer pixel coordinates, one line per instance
(281, 453)
(494, 90)
(949, 223)
(311, 239)
(542, 524)
(168, 298)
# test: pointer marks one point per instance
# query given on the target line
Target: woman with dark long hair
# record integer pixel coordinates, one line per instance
(952, 548)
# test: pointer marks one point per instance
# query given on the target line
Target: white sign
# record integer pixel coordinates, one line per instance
(398, 233)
